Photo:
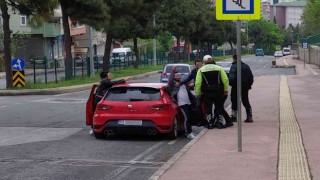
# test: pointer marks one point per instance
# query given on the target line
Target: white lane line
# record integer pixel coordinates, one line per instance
(2, 107)
(285, 62)
(312, 71)
(118, 171)
(172, 142)
(144, 153)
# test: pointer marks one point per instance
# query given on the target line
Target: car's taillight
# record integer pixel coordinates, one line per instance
(164, 74)
(159, 107)
(104, 107)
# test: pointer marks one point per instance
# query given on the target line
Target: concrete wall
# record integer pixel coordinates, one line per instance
(310, 55)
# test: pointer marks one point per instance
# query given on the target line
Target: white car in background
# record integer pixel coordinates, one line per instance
(286, 51)
(226, 65)
(278, 54)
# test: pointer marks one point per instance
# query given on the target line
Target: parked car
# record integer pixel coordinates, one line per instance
(79, 61)
(145, 108)
(120, 55)
(183, 69)
(286, 51)
(226, 65)
(259, 52)
(278, 54)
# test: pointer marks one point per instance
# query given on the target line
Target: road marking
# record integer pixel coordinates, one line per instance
(172, 142)
(312, 71)
(174, 158)
(118, 171)
(2, 107)
(61, 101)
(22, 135)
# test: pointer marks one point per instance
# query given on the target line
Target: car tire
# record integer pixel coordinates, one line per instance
(99, 135)
(173, 134)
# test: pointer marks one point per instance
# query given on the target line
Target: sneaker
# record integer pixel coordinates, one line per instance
(191, 136)
(91, 132)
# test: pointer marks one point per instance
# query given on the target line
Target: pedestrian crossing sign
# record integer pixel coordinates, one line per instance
(238, 9)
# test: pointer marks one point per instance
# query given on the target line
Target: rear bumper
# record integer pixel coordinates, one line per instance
(147, 127)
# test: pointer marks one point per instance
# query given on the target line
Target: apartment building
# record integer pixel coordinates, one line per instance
(286, 13)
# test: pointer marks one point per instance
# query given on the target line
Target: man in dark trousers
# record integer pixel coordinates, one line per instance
(246, 83)
(212, 84)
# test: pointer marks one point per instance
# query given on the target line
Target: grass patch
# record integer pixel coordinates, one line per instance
(116, 74)
(85, 80)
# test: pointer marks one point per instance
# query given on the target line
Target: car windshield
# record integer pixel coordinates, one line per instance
(179, 69)
(128, 94)
(286, 50)
(118, 54)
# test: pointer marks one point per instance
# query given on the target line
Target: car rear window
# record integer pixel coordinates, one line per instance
(179, 69)
(128, 94)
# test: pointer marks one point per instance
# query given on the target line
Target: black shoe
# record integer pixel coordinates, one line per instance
(229, 124)
(233, 119)
(221, 126)
(210, 126)
(249, 120)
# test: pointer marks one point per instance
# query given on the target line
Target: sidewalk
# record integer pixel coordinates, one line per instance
(281, 143)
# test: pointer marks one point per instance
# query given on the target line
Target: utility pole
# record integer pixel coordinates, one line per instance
(91, 53)
(154, 43)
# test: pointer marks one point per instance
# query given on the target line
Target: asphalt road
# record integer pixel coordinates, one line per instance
(45, 137)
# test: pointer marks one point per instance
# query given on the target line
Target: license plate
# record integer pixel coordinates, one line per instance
(130, 122)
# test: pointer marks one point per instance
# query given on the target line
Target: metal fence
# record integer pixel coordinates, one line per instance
(44, 70)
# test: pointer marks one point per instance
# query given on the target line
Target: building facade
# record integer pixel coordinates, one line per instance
(287, 13)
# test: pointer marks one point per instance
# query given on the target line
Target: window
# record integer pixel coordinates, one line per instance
(128, 94)
(23, 20)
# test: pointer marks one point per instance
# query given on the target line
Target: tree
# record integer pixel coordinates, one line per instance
(32, 8)
(93, 13)
(310, 18)
(265, 35)
(179, 17)
(129, 19)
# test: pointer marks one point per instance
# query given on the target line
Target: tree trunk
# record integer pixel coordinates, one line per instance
(107, 52)
(177, 55)
(210, 48)
(67, 39)
(6, 43)
(136, 52)
(231, 46)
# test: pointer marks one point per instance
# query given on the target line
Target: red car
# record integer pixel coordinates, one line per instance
(144, 108)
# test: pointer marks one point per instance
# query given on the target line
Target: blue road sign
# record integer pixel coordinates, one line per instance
(18, 64)
(305, 45)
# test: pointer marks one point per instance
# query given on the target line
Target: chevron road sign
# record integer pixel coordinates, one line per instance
(238, 9)
(18, 79)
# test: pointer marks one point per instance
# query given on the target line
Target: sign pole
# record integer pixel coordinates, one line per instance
(239, 86)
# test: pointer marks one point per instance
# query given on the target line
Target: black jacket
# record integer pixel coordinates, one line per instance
(193, 76)
(105, 85)
(246, 75)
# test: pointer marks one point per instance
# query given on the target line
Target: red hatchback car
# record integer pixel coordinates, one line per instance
(144, 108)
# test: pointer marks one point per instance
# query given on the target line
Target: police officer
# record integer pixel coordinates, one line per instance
(212, 83)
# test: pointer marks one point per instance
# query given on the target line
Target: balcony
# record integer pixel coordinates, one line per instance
(48, 30)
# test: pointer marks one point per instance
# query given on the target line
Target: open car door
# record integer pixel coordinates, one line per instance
(89, 106)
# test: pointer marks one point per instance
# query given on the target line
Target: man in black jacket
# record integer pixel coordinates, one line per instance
(246, 83)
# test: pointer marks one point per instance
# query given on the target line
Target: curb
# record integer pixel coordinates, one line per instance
(174, 158)
(62, 90)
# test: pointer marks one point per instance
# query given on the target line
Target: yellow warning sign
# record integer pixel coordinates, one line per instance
(19, 80)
